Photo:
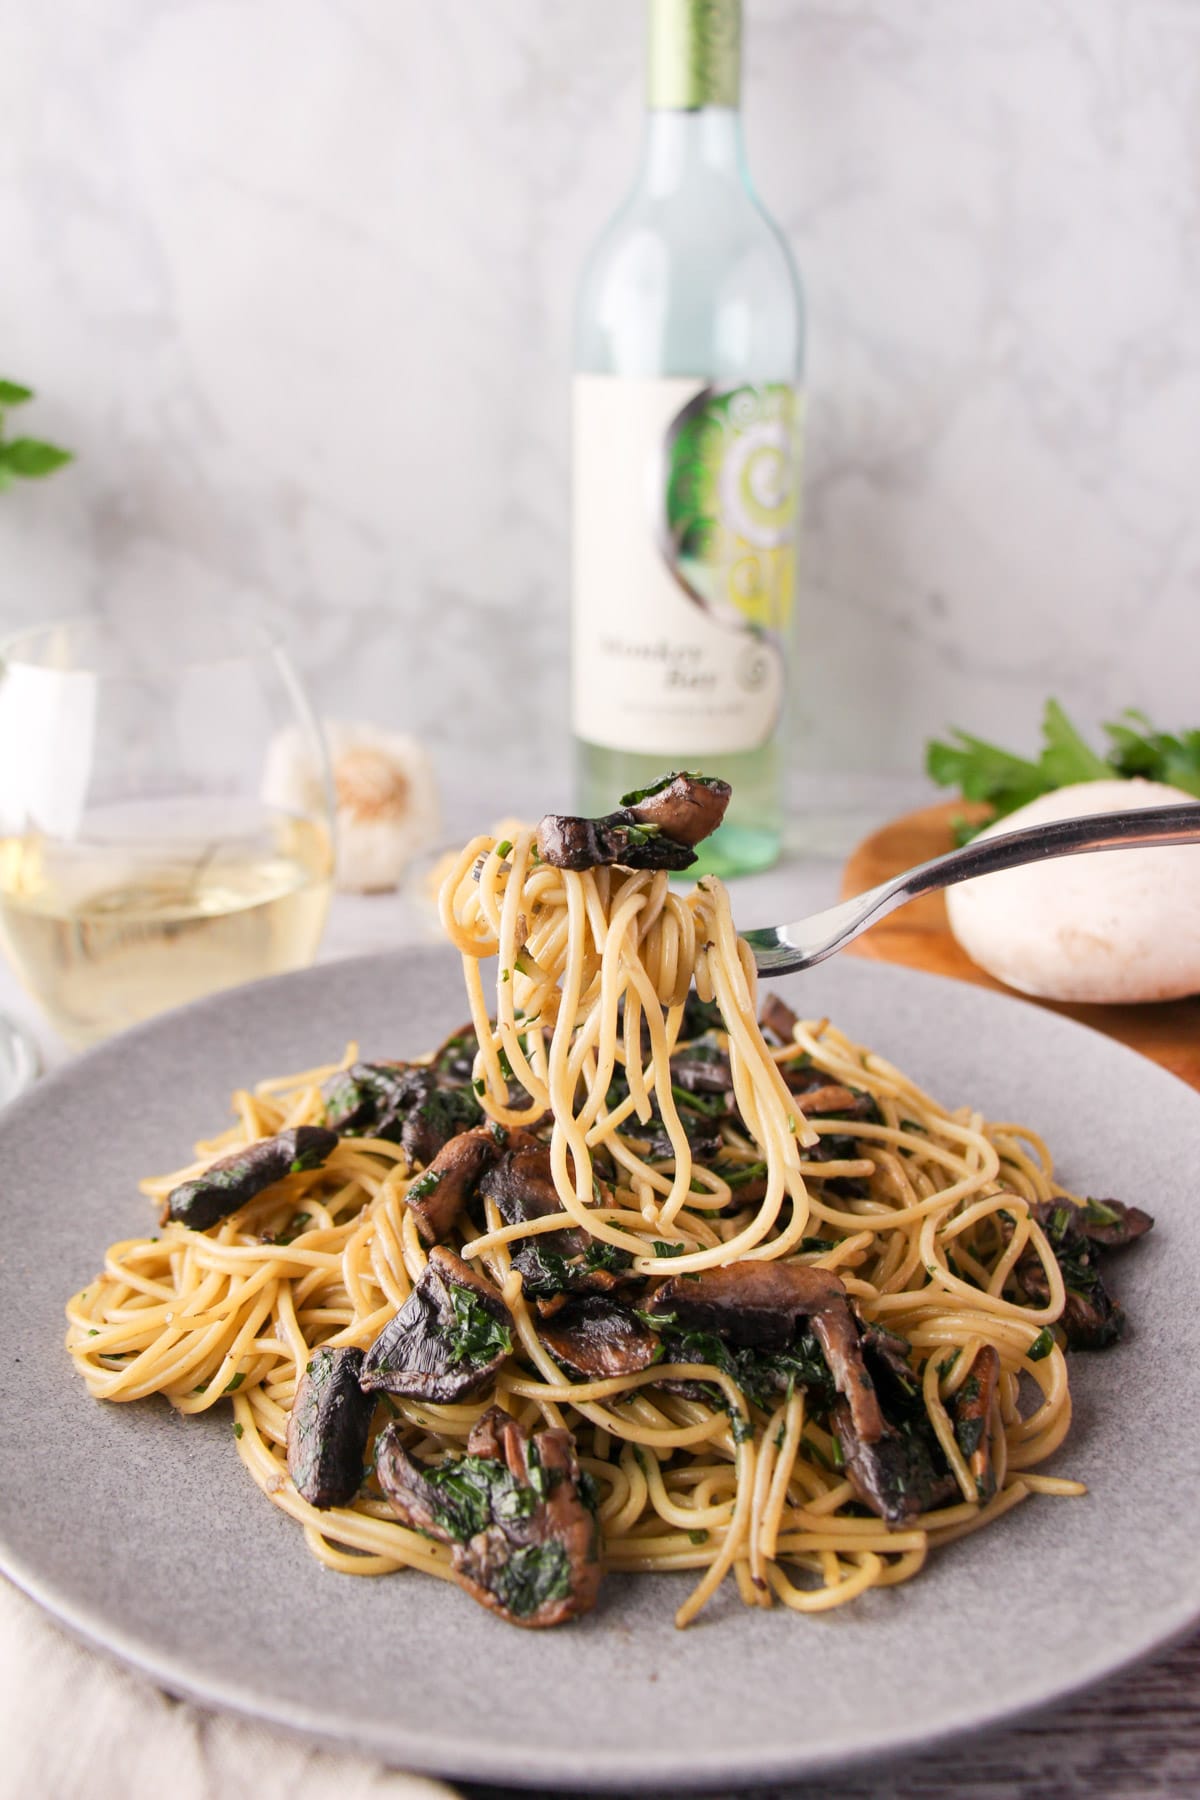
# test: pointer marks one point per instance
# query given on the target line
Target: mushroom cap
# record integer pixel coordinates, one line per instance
(1112, 926)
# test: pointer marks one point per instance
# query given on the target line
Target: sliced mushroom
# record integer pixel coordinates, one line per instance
(684, 807)
(703, 1067)
(417, 1105)
(568, 842)
(972, 1419)
(521, 1184)
(754, 1303)
(328, 1426)
(779, 1019)
(1091, 1319)
(436, 1198)
(454, 1060)
(654, 828)
(436, 1118)
(1111, 1225)
(596, 1338)
(446, 1341)
(887, 1355)
(760, 1304)
(373, 1099)
(241, 1176)
(892, 1474)
(515, 1511)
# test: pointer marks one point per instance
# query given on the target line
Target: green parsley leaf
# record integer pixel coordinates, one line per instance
(477, 1335)
(32, 458)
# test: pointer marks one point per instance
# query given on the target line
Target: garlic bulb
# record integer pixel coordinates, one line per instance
(385, 798)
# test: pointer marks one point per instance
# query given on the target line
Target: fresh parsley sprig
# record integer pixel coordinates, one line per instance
(24, 457)
(1005, 781)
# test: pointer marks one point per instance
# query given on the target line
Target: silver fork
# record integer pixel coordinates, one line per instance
(782, 949)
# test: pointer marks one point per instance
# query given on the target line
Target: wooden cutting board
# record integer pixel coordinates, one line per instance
(919, 936)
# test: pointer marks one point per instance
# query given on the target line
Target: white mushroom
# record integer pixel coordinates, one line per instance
(1114, 925)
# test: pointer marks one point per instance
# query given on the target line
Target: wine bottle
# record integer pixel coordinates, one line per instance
(689, 346)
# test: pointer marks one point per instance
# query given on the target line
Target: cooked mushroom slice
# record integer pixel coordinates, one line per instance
(892, 1474)
(887, 1357)
(837, 1333)
(569, 842)
(551, 1262)
(972, 1416)
(437, 1197)
(596, 1338)
(758, 1306)
(889, 1470)
(1091, 1319)
(703, 1067)
(373, 1099)
(242, 1175)
(748, 1302)
(516, 1513)
(327, 1429)
(454, 1060)
(437, 1118)
(1110, 1225)
(684, 807)
(653, 828)
(701, 1129)
(447, 1340)
(416, 1105)
(779, 1019)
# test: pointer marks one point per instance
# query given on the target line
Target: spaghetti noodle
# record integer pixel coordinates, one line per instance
(620, 1008)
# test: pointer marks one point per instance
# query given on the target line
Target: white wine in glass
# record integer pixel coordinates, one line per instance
(144, 859)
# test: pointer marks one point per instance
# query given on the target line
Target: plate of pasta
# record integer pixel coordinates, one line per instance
(798, 1371)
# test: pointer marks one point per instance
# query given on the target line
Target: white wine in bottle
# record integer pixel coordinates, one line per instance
(686, 430)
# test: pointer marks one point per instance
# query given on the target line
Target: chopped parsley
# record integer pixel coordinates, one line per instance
(533, 1576)
(472, 1491)
(477, 1335)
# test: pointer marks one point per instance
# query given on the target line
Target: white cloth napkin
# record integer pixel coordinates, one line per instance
(74, 1726)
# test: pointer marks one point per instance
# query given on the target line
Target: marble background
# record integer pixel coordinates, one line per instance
(295, 278)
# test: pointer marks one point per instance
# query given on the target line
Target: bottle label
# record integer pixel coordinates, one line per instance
(685, 499)
(695, 53)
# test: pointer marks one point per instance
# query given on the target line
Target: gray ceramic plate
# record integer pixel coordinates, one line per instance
(140, 1530)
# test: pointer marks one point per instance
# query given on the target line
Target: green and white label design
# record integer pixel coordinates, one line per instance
(685, 499)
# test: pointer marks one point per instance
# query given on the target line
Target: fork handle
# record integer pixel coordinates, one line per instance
(781, 949)
(1141, 829)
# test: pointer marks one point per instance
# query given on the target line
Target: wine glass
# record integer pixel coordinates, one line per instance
(149, 852)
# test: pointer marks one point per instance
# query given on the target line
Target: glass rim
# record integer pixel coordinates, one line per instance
(18, 647)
